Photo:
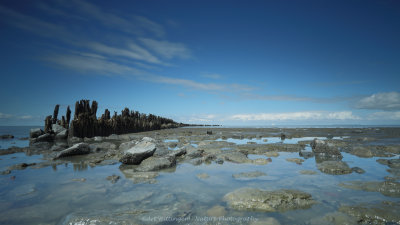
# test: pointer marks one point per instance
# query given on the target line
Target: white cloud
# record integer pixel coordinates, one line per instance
(384, 116)
(382, 101)
(26, 117)
(167, 49)
(308, 115)
(5, 116)
(133, 51)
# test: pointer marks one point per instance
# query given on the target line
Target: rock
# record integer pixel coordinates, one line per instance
(237, 157)
(98, 138)
(36, 132)
(216, 211)
(202, 176)
(5, 172)
(74, 140)
(6, 136)
(21, 166)
(193, 152)
(178, 153)
(308, 172)
(219, 161)
(325, 149)
(138, 153)
(57, 128)
(334, 167)
(251, 143)
(131, 196)
(392, 163)
(196, 162)
(102, 146)
(249, 199)
(148, 139)
(127, 145)
(45, 138)
(358, 170)
(252, 174)
(383, 213)
(156, 163)
(306, 154)
(271, 154)
(62, 135)
(295, 160)
(209, 132)
(260, 161)
(77, 149)
(113, 178)
(387, 188)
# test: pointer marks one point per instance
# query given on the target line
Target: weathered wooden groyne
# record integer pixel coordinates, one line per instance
(86, 124)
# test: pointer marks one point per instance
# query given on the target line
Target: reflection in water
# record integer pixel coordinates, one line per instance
(82, 166)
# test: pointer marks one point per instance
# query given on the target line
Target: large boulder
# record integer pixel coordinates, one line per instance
(334, 167)
(57, 128)
(44, 138)
(36, 132)
(385, 212)
(62, 135)
(250, 199)
(77, 149)
(138, 153)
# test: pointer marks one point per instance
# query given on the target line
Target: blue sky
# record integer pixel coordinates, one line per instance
(211, 62)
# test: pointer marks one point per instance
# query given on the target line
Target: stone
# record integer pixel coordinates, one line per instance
(202, 176)
(62, 135)
(308, 172)
(21, 166)
(237, 157)
(271, 154)
(45, 138)
(260, 161)
(6, 136)
(295, 160)
(392, 163)
(156, 163)
(178, 153)
(387, 188)
(102, 146)
(358, 170)
(139, 177)
(138, 153)
(77, 149)
(216, 211)
(306, 154)
(334, 167)
(325, 149)
(35, 132)
(57, 128)
(127, 145)
(252, 174)
(383, 213)
(113, 178)
(249, 199)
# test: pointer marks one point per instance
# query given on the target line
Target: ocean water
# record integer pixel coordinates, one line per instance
(55, 194)
(19, 132)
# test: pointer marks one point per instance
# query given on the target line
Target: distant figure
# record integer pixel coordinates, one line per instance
(283, 136)
(209, 132)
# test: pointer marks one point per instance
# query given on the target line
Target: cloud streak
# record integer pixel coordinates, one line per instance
(308, 115)
(383, 101)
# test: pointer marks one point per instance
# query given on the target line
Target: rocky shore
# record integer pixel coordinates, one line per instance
(143, 156)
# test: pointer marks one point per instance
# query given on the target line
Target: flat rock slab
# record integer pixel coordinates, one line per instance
(138, 153)
(384, 213)
(388, 188)
(252, 174)
(334, 167)
(249, 199)
(76, 149)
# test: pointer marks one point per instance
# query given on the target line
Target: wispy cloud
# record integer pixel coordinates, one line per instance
(5, 116)
(384, 116)
(308, 115)
(381, 101)
(339, 83)
(167, 49)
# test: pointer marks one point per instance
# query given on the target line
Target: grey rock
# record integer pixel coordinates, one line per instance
(62, 135)
(334, 167)
(295, 160)
(138, 153)
(45, 138)
(358, 170)
(324, 148)
(98, 138)
(139, 177)
(6, 136)
(36, 132)
(384, 213)
(102, 146)
(127, 145)
(219, 161)
(178, 153)
(387, 188)
(306, 154)
(113, 178)
(77, 149)
(252, 174)
(268, 201)
(156, 163)
(392, 163)
(237, 157)
(57, 128)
